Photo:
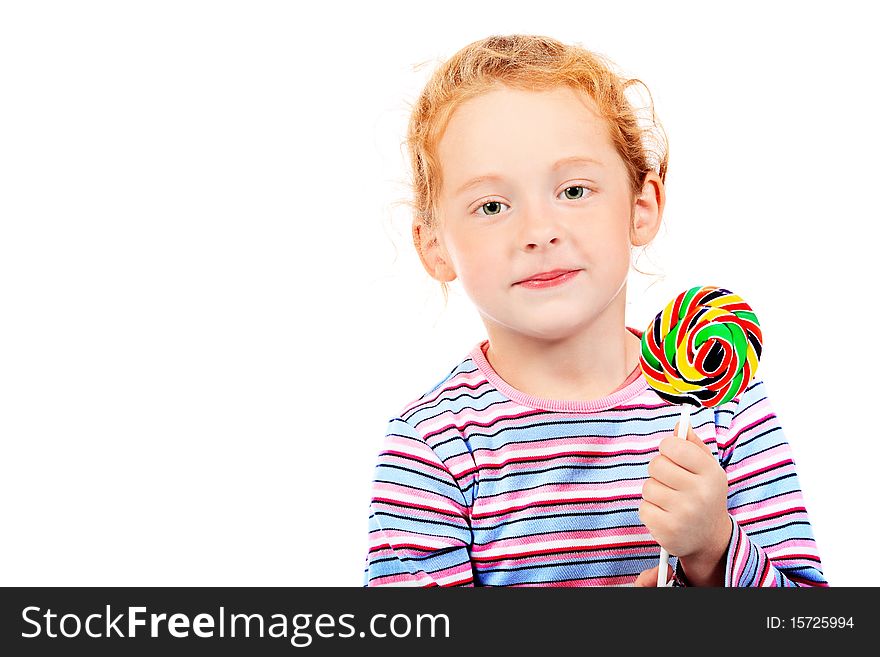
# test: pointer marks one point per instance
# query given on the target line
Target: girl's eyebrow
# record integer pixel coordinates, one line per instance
(495, 177)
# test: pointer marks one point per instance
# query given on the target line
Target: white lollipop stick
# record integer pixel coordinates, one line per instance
(683, 423)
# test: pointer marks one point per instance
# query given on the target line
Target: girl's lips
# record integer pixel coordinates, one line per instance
(552, 282)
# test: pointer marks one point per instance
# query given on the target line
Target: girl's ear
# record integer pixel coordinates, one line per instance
(434, 258)
(648, 210)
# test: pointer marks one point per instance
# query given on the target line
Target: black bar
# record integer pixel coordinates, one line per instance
(490, 620)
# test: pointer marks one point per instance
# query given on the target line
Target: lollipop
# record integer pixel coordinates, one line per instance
(701, 350)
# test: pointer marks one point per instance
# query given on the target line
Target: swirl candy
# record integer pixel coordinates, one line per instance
(703, 348)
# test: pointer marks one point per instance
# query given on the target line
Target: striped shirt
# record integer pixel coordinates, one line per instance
(480, 484)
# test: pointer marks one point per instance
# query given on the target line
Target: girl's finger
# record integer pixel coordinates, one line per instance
(647, 578)
(685, 454)
(658, 494)
(670, 474)
(692, 437)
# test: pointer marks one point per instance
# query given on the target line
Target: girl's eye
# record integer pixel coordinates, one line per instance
(574, 192)
(491, 208)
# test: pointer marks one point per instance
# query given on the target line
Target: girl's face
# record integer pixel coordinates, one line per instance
(531, 183)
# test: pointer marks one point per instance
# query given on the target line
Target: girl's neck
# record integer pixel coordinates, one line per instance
(587, 365)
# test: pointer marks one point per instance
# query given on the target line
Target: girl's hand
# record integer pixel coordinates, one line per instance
(648, 577)
(684, 505)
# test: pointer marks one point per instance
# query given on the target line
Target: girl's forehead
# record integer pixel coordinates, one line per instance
(555, 99)
(506, 122)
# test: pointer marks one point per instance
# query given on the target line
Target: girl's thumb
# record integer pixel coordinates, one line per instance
(694, 438)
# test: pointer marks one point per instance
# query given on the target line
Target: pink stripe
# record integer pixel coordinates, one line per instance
(609, 547)
(592, 491)
(794, 497)
(621, 533)
(468, 380)
(555, 455)
(403, 547)
(563, 443)
(396, 492)
(555, 560)
(737, 433)
(768, 578)
(775, 514)
(463, 572)
(752, 473)
(476, 423)
(740, 557)
(552, 503)
(411, 505)
(410, 457)
(623, 580)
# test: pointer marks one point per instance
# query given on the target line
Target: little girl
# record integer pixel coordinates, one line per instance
(543, 458)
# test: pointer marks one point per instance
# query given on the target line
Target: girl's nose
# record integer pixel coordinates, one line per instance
(538, 229)
(537, 244)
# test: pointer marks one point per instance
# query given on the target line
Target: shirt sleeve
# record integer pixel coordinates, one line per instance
(771, 542)
(419, 525)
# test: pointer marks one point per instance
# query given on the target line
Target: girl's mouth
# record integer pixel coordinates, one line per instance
(560, 279)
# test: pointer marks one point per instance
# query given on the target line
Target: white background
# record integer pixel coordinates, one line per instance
(211, 306)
